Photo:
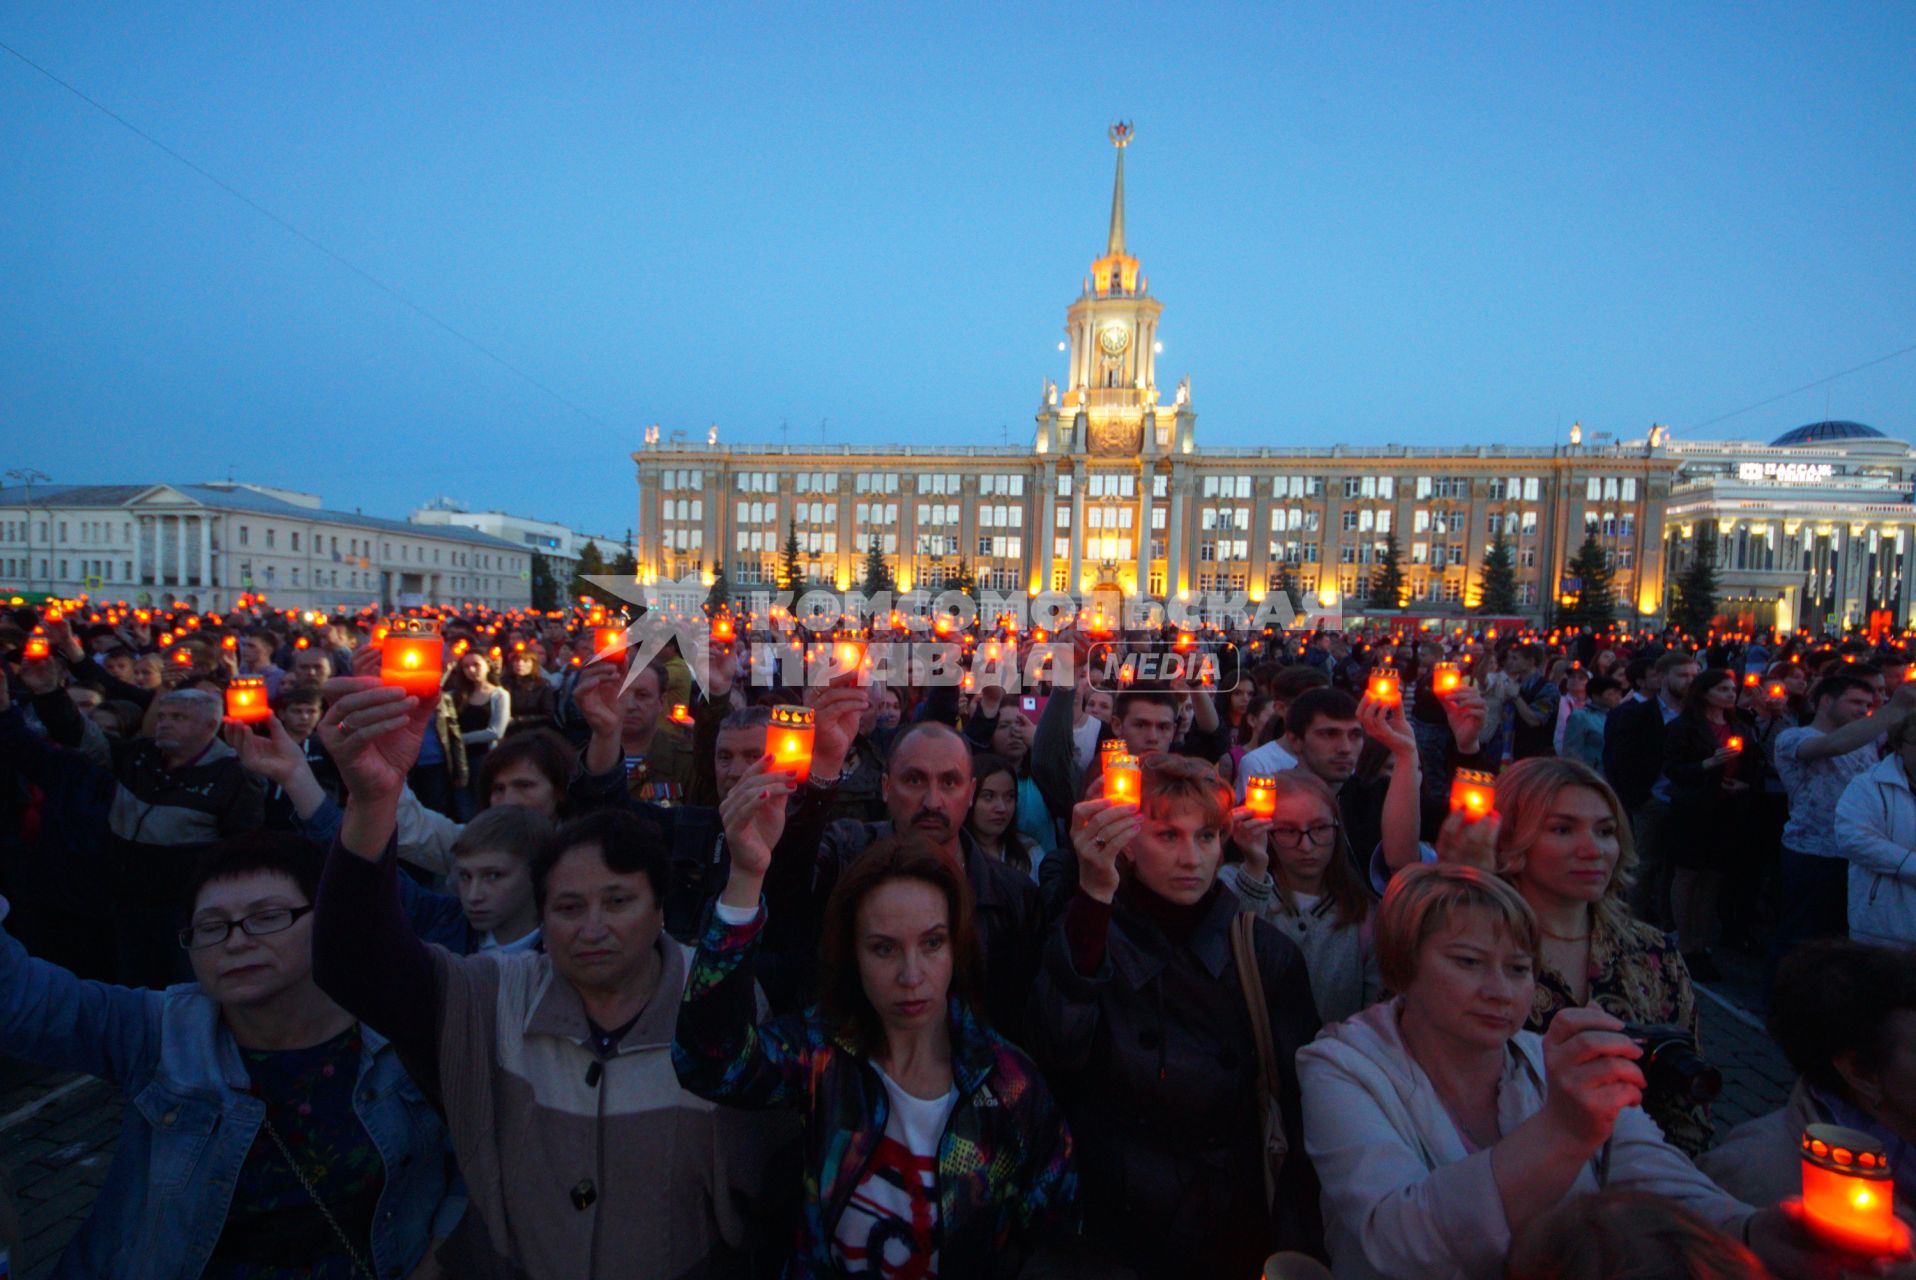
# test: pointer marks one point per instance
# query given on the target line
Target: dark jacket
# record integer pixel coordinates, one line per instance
(1004, 1175)
(1153, 1059)
(1633, 750)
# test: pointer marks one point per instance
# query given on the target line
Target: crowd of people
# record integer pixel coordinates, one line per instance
(1380, 960)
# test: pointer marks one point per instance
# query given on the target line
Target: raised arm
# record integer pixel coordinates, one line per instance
(51, 1016)
(1402, 815)
(1859, 733)
(365, 954)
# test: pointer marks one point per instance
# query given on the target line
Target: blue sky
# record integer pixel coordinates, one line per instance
(1369, 223)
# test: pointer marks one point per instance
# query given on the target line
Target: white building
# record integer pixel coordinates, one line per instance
(558, 543)
(207, 544)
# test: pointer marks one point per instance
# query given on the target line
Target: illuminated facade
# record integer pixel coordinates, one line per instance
(1114, 491)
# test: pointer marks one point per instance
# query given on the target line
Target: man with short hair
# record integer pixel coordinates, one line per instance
(1270, 756)
(256, 650)
(928, 790)
(656, 754)
(312, 668)
(1815, 762)
(1533, 703)
(1633, 763)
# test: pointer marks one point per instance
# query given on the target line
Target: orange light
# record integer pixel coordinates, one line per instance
(1751, 679)
(1848, 1199)
(37, 650)
(246, 700)
(1473, 792)
(229, 642)
(609, 644)
(1260, 797)
(681, 714)
(1776, 691)
(722, 631)
(413, 658)
(1445, 677)
(1123, 780)
(1385, 688)
(181, 658)
(301, 643)
(789, 740)
(1735, 743)
(53, 613)
(166, 638)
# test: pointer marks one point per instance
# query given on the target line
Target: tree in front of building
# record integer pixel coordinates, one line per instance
(790, 572)
(1693, 595)
(1595, 602)
(1498, 594)
(591, 562)
(545, 585)
(1387, 582)
(720, 596)
(625, 564)
(878, 580)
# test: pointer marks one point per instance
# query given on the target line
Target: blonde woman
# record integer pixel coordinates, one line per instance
(1441, 1129)
(1565, 845)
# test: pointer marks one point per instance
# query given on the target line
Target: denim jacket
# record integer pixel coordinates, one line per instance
(190, 1121)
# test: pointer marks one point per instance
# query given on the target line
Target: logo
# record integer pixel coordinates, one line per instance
(1162, 666)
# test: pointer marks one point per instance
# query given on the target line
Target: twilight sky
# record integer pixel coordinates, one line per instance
(1369, 223)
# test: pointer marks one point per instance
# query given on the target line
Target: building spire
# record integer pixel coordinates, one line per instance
(1121, 134)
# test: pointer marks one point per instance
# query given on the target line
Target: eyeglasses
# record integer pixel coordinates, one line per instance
(210, 933)
(1294, 837)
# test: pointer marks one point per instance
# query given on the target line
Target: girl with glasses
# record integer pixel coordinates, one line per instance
(1297, 874)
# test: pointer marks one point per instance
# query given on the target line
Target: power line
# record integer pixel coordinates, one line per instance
(290, 229)
(1698, 426)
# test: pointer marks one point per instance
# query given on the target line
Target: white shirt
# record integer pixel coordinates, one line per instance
(890, 1224)
(1085, 739)
(1266, 761)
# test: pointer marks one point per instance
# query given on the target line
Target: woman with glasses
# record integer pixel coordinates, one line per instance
(267, 1133)
(1141, 1021)
(1297, 873)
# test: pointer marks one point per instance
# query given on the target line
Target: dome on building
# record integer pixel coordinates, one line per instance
(1828, 433)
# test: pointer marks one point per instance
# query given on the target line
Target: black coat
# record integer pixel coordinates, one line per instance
(1154, 1062)
(1633, 750)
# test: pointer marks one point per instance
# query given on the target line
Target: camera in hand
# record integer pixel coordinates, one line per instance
(1670, 1062)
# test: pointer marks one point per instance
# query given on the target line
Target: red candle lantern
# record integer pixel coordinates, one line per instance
(246, 700)
(789, 740)
(609, 644)
(1446, 677)
(1384, 686)
(681, 714)
(1260, 796)
(1776, 691)
(1111, 747)
(182, 658)
(722, 630)
(847, 657)
(1473, 792)
(37, 650)
(1751, 679)
(1847, 1197)
(1123, 779)
(1735, 743)
(413, 658)
(53, 613)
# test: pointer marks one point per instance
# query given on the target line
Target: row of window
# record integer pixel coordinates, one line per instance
(682, 478)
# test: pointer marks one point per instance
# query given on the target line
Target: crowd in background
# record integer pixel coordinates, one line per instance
(561, 972)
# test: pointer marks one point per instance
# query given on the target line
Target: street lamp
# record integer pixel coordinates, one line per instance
(28, 477)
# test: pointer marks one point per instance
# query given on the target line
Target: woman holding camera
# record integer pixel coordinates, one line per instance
(1440, 1128)
(1564, 844)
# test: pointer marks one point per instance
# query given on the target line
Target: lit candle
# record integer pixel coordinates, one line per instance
(1384, 687)
(609, 644)
(1123, 780)
(53, 613)
(1109, 748)
(37, 649)
(681, 714)
(847, 657)
(1446, 677)
(722, 631)
(1473, 792)
(413, 658)
(1776, 691)
(246, 700)
(1735, 743)
(1847, 1197)
(790, 740)
(1260, 796)
(182, 658)
(1751, 679)
(229, 643)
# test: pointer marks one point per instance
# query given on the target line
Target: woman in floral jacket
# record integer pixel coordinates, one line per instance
(930, 1142)
(1565, 845)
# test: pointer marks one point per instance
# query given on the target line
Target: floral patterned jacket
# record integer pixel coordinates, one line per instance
(1636, 975)
(1005, 1181)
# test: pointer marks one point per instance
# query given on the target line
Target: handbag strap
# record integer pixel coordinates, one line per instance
(1251, 983)
(360, 1266)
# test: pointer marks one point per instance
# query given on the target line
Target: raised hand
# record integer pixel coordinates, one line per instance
(275, 758)
(1592, 1074)
(1385, 722)
(1465, 710)
(41, 676)
(835, 716)
(1252, 836)
(373, 732)
(1100, 831)
(1468, 843)
(753, 814)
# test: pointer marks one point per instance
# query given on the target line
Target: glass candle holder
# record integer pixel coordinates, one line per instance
(1847, 1194)
(1123, 779)
(246, 700)
(413, 657)
(1473, 792)
(789, 739)
(1384, 687)
(1260, 797)
(1446, 677)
